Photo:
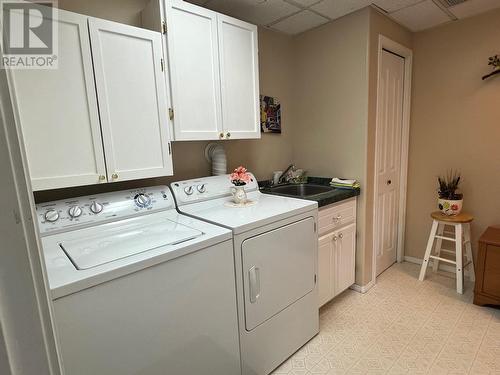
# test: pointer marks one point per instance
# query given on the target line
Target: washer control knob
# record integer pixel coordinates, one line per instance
(74, 211)
(201, 188)
(142, 200)
(96, 207)
(188, 190)
(51, 216)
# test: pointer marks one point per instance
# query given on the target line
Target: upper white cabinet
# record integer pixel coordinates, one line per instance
(194, 71)
(213, 70)
(239, 70)
(132, 98)
(58, 110)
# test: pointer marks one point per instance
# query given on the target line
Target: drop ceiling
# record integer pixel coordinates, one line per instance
(296, 16)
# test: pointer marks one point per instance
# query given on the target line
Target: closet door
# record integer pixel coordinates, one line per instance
(239, 69)
(57, 113)
(194, 71)
(132, 100)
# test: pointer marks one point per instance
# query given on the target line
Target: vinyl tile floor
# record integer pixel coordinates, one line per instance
(402, 326)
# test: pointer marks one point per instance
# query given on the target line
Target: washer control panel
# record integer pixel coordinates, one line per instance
(197, 190)
(71, 213)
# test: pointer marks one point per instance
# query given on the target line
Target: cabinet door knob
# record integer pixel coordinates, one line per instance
(114, 176)
(221, 135)
(334, 238)
(228, 135)
(102, 178)
(341, 236)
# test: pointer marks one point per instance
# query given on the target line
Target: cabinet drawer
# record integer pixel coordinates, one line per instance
(337, 215)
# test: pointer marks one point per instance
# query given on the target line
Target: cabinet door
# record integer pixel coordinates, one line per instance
(239, 71)
(57, 113)
(325, 285)
(345, 258)
(194, 71)
(132, 98)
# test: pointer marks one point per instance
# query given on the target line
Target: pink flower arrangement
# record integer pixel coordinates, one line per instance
(240, 176)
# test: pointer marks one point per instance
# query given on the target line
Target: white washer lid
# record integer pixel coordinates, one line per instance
(124, 238)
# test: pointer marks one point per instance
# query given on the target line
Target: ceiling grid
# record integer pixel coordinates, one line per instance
(296, 16)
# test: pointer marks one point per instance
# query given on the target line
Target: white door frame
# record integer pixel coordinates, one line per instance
(385, 43)
(27, 338)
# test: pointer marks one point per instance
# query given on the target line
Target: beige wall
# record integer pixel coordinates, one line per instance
(331, 106)
(335, 111)
(455, 123)
(379, 25)
(124, 11)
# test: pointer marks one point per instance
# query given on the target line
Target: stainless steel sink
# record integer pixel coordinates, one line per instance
(299, 190)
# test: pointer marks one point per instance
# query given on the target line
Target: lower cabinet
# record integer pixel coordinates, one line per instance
(336, 256)
(325, 280)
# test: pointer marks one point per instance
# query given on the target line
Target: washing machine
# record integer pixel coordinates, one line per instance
(275, 253)
(138, 288)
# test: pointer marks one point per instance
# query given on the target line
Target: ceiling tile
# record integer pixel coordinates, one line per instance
(420, 16)
(299, 22)
(338, 8)
(259, 12)
(304, 3)
(472, 7)
(393, 5)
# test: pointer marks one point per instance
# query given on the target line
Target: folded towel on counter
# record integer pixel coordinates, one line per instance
(344, 183)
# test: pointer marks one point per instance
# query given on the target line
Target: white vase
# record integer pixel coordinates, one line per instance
(450, 207)
(239, 194)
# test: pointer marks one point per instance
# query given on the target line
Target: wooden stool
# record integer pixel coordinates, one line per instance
(461, 223)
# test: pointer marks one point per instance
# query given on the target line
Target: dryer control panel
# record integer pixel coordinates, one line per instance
(72, 213)
(203, 189)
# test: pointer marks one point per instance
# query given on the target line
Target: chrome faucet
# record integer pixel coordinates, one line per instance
(284, 176)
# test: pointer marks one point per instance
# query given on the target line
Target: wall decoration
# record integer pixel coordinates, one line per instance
(494, 61)
(270, 114)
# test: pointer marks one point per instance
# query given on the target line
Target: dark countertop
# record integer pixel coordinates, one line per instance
(323, 199)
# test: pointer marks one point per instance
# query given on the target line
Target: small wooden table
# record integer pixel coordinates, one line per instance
(487, 288)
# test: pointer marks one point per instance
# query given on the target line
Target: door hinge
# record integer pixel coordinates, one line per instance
(162, 62)
(163, 27)
(314, 227)
(171, 113)
(169, 149)
(315, 278)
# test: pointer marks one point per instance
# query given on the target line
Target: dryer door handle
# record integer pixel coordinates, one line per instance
(254, 281)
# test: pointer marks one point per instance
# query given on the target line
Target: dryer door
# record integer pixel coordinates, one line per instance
(278, 269)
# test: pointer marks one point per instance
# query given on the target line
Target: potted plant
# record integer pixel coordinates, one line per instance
(450, 201)
(239, 178)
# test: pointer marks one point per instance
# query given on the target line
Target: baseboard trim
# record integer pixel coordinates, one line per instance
(442, 267)
(362, 288)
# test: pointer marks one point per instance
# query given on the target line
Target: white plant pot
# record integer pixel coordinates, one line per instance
(450, 207)
(239, 194)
